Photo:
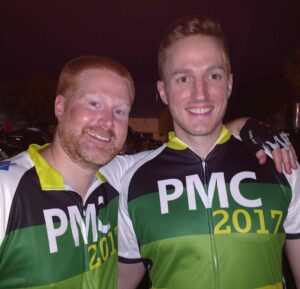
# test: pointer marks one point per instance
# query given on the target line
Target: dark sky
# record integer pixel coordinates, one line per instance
(39, 36)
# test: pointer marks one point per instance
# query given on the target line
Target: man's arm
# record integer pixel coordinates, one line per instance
(292, 249)
(130, 268)
(235, 126)
(130, 275)
(257, 136)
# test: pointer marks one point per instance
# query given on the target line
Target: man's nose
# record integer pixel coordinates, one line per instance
(106, 118)
(200, 89)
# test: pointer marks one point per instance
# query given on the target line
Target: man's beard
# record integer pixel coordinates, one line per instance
(85, 153)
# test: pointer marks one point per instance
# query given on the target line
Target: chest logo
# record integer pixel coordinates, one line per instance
(172, 189)
(57, 224)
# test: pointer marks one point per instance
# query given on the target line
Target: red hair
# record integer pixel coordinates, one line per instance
(67, 81)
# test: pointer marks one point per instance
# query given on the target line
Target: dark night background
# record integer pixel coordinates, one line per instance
(38, 37)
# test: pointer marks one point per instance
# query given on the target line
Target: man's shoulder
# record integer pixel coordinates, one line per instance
(243, 157)
(122, 165)
(140, 164)
(294, 179)
(11, 172)
(15, 165)
(128, 160)
(146, 158)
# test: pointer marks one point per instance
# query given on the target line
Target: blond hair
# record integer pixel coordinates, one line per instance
(188, 26)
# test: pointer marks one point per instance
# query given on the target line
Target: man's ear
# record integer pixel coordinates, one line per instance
(230, 83)
(59, 106)
(162, 91)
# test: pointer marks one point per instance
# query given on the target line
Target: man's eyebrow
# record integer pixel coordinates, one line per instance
(181, 70)
(188, 70)
(217, 67)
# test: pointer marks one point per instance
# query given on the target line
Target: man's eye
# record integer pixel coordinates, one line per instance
(94, 103)
(216, 76)
(182, 79)
(121, 112)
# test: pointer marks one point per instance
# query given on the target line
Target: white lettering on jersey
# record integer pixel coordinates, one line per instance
(194, 185)
(75, 218)
(235, 191)
(165, 197)
(217, 180)
(53, 232)
(80, 226)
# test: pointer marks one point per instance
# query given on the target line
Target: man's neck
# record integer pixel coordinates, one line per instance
(201, 145)
(76, 176)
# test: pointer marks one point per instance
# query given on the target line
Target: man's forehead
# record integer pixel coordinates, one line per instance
(93, 76)
(196, 41)
(195, 48)
(97, 83)
(97, 72)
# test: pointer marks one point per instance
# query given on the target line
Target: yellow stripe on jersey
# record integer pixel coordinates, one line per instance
(49, 177)
(177, 144)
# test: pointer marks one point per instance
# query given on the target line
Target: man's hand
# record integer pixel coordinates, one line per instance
(282, 158)
(260, 138)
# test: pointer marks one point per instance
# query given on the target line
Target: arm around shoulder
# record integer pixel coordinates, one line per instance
(236, 125)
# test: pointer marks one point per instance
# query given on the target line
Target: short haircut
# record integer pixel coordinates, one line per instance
(68, 82)
(187, 26)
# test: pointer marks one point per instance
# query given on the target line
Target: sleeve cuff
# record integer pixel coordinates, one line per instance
(129, 261)
(293, 236)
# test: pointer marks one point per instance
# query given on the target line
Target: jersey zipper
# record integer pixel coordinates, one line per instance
(214, 252)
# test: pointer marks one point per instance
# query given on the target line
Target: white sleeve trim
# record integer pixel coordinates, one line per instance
(9, 181)
(292, 222)
(128, 247)
(127, 242)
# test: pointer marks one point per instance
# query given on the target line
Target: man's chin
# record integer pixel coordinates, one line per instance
(102, 159)
(207, 130)
(93, 164)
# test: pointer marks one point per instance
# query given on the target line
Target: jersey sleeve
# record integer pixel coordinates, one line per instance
(116, 169)
(5, 204)
(128, 248)
(292, 222)
(11, 171)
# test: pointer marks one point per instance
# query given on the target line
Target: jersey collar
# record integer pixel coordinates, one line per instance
(50, 178)
(177, 144)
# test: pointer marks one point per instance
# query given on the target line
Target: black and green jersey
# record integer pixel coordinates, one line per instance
(49, 236)
(218, 223)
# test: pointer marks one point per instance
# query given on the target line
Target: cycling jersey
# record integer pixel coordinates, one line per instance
(214, 223)
(50, 237)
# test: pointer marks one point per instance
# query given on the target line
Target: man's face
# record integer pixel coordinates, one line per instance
(93, 121)
(196, 86)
